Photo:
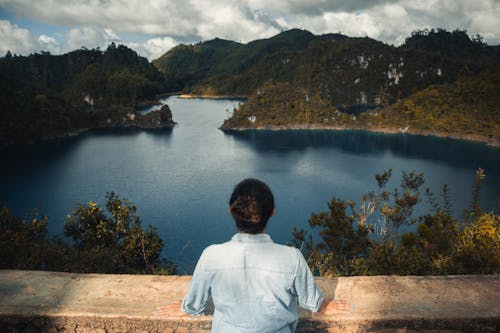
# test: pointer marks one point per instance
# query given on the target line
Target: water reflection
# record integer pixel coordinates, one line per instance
(29, 156)
(450, 151)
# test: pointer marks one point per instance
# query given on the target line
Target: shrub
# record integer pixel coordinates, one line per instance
(113, 242)
(367, 241)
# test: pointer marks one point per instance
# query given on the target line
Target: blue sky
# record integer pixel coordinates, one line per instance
(152, 27)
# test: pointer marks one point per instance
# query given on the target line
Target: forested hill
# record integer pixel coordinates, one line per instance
(293, 80)
(340, 68)
(297, 79)
(186, 65)
(44, 95)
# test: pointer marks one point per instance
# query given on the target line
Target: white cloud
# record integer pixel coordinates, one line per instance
(87, 37)
(111, 34)
(154, 47)
(94, 23)
(139, 16)
(44, 39)
(226, 20)
(18, 40)
(47, 43)
(356, 25)
(388, 22)
(15, 39)
(486, 22)
(393, 23)
(21, 41)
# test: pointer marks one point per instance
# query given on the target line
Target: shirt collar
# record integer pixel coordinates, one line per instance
(251, 238)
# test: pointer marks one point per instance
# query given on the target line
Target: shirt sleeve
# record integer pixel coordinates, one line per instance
(195, 300)
(309, 296)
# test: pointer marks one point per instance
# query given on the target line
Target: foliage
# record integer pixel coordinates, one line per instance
(478, 183)
(437, 82)
(452, 43)
(349, 82)
(42, 95)
(100, 242)
(225, 67)
(26, 113)
(279, 104)
(341, 240)
(21, 241)
(466, 108)
(351, 239)
(478, 246)
(184, 65)
(367, 241)
(83, 72)
(344, 71)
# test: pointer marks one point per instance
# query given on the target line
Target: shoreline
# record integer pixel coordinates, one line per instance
(486, 140)
(81, 131)
(490, 142)
(73, 133)
(205, 96)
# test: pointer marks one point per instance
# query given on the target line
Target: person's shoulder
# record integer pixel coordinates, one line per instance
(294, 254)
(275, 257)
(282, 247)
(285, 251)
(285, 248)
(216, 248)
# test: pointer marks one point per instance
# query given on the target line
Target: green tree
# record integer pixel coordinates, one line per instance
(101, 242)
(342, 240)
(114, 243)
(366, 240)
(22, 241)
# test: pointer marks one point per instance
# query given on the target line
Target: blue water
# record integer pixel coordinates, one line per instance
(181, 179)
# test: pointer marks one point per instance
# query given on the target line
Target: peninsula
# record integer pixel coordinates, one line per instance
(438, 82)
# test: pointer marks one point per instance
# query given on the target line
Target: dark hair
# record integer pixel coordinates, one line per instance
(251, 205)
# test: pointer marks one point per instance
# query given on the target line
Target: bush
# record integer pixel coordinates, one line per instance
(367, 242)
(100, 242)
(478, 247)
(21, 241)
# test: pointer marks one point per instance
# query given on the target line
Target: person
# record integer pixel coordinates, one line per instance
(254, 282)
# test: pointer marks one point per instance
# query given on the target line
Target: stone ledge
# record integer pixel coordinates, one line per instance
(33, 301)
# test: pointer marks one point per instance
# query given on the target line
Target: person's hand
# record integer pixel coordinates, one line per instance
(333, 307)
(170, 310)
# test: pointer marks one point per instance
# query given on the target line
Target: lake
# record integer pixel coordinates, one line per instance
(181, 179)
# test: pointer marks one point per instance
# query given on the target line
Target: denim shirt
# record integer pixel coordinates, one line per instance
(255, 285)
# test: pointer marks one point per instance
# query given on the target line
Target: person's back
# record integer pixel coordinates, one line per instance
(254, 283)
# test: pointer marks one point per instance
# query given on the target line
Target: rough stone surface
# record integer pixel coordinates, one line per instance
(32, 301)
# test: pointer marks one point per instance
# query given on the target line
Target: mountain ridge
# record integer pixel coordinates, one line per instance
(348, 78)
(293, 79)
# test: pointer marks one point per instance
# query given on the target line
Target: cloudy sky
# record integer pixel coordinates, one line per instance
(152, 27)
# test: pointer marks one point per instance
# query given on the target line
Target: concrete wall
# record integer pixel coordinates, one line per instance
(64, 302)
